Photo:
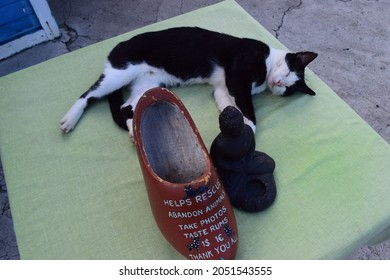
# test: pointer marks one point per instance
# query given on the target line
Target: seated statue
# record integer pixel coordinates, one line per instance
(247, 175)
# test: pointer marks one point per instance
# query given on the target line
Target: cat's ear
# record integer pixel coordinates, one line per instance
(302, 59)
(302, 87)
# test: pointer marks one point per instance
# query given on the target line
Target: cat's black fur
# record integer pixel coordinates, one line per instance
(188, 52)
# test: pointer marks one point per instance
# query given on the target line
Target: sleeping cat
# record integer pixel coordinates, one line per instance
(237, 68)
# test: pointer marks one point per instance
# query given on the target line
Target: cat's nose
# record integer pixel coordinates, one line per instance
(277, 83)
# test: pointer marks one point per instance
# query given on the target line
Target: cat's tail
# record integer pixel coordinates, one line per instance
(115, 100)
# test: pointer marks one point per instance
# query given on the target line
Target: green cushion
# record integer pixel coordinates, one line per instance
(82, 195)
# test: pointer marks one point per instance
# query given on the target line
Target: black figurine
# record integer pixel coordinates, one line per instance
(246, 174)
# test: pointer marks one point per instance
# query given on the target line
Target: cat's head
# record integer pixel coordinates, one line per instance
(287, 73)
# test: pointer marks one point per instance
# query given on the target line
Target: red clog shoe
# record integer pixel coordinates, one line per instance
(188, 201)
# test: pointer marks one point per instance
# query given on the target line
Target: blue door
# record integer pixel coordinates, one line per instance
(17, 19)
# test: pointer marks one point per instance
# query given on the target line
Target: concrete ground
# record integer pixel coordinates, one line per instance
(351, 37)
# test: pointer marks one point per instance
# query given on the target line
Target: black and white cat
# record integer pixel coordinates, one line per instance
(237, 68)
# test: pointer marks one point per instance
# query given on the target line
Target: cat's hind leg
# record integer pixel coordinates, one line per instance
(111, 80)
(138, 88)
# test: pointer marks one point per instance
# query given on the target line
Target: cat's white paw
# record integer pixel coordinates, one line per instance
(250, 123)
(67, 124)
(69, 121)
(129, 124)
(131, 136)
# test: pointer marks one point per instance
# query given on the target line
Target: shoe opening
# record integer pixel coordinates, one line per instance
(170, 144)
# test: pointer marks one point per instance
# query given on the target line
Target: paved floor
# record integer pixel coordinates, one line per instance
(351, 37)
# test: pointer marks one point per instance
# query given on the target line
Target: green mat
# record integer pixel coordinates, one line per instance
(82, 195)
